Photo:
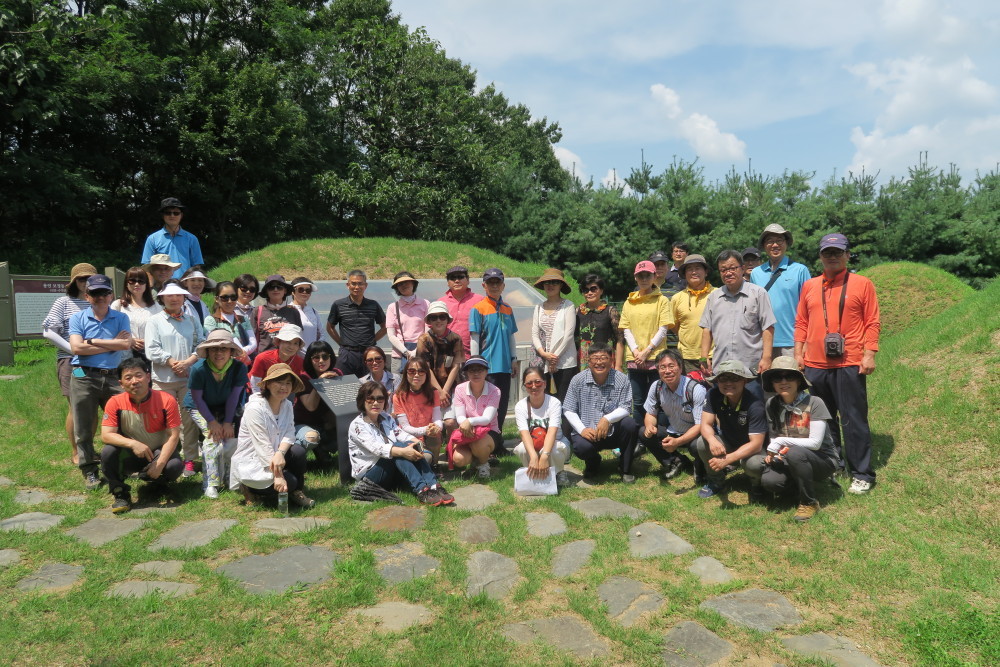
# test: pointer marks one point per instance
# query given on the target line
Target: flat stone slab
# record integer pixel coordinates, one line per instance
(153, 510)
(649, 539)
(710, 570)
(477, 530)
(51, 577)
(756, 609)
(31, 497)
(689, 644)
(9, 557)
(160, 568)
(10, 378)
(98, 532)
(396, 517)
(569, 558)
(396, 616)
(491, 573)
(31, 522)
(404, 561)
(289, 526)
(6, 481)
(565, 633)
(139, 589)
(841, 651)
(544, 524)
(192, 534)
(475, 497)
(628, 599)
(284, 569)
(76, 499)
(595, 508)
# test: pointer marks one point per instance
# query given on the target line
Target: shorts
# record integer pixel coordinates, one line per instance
(64, 368)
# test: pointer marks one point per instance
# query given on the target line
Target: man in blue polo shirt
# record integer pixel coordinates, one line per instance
(491, 331)
(97, 338)
(783, 279)
(182, 246)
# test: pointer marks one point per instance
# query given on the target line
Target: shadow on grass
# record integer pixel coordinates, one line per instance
(883, 446)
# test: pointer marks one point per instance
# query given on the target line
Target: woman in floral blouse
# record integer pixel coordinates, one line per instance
(597, 322)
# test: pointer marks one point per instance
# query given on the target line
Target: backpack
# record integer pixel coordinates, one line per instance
(694, 378)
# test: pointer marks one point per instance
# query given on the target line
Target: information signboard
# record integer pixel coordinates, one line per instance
(32, 300)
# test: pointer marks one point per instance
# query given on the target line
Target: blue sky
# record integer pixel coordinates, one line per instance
(824, 87)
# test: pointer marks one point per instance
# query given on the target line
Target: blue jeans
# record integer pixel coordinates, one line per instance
(389, 473)
(641, 381)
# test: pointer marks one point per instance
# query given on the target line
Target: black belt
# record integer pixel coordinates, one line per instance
(354, 348)
(99, 371)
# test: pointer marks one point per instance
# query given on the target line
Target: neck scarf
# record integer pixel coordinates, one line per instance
(795, 406)
(408, 300)
(704, 290)
(219, 371)
(585, 309)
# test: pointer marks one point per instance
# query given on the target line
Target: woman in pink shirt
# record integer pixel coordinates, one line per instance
(404, 320)
(476, 403)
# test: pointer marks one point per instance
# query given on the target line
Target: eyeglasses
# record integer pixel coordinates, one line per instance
(356, 285)
(171, 213)
(416, 371)
(592, 288)
(374, 360)
(304, 290)
(726, 270)
(321, 356)
(375, 399)
(437, 318)
(493, 282)
(226, 297)
(136, 281)
(534, 383)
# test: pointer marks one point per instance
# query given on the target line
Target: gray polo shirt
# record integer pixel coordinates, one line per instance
(737, 322)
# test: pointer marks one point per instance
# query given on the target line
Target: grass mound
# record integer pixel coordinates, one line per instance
(909, 293)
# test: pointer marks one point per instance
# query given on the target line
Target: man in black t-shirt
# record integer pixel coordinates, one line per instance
(733, 430)
(357, 318)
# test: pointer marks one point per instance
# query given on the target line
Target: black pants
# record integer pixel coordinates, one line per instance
(845, 392)
(623, 435)
(351, 361)
(502, 382)
(562, 377)
(117, 463)
(802, 467)
(295, 473)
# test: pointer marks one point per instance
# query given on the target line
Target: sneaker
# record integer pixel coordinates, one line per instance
(709, 490)
(484, 471)
(92, 481)
(617, 452)
(562, 479)
(860, 487)
(429, 496)
(121, 504)
(446, 498)
(188, 469)
(628, 479)
(757, 496)
(493, 461)
(211, 492)
(806, 512)
(673, 467)
(300, 499)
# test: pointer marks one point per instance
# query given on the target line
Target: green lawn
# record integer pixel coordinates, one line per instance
(909, 572)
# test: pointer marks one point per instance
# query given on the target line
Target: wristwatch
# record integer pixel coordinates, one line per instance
(89, 341)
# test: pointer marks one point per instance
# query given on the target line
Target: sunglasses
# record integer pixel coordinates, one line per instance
(271, 288)
(99, 294)
(136, 281)
(456, 276)
(592, 288)
(375, 399)
(784, 377)
(304, 290)
(416, 371)
(534, 383)
(374, 360)
(226, 297)
(252, 290)
(321, 356)
(171, 213)
(437, 318)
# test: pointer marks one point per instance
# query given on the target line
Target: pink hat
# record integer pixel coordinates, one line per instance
(644, 265)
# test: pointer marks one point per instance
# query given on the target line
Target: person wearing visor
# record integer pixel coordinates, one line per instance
(195, 282)
(476, 412)
(312, 330)
(404, 319)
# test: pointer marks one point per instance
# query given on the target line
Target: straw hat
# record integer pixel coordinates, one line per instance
(278, 371)
(553, 274)
(82, 270)
(783, 365)
(217, 338)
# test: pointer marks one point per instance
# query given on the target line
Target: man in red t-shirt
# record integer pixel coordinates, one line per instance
(141, 429)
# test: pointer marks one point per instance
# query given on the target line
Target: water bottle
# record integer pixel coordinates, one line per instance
(283, 504)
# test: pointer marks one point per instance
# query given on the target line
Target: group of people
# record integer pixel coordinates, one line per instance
(759, 374)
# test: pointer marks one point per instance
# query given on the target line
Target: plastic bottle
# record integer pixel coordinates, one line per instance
(283, 504)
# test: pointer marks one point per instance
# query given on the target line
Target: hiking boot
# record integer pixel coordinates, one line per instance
(446, 498)
(562, 479)
(673, 467)
(300, 499)
(709, 490)
(92, 481)
(429, 496)
(860, 487)
(483, 471)
(806, 512)
(121, 504)
(188, 469)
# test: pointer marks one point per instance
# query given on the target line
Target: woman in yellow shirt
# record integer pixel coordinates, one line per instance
(644, 321)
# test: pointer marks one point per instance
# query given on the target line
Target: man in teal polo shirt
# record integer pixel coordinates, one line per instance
(783, 279)
(181, 245)
(97, 338)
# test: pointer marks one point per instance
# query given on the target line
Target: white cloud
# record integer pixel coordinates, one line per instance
(569, 161)
(969, 145)
(613, 180)
(699, 130)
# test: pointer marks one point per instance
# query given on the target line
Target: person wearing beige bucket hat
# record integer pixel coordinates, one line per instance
(783, 280)
(216, 393)
(405, 319)
(161, 268)
(267, 461)
(553, 326)
(801, 451)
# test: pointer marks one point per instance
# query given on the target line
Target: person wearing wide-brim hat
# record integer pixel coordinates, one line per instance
(267, 460)
(442, 349)
(686, 308)
(733, 428)
(180, 244)
(161, 268)
(196, 282)
(801, 451)
(783, 279)
(553, 329)
(404, 319)
(268, 317)
(216, 393)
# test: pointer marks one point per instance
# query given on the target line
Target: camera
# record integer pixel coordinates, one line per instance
(833, 344)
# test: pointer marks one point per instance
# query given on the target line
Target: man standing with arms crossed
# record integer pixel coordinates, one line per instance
(836, 338)
(357, 317)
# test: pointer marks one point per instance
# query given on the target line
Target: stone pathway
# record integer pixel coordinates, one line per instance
(31, 522)
(477, 530)
(475, 497)
(628, 599)
(710, 571)
(493, 574)
(689, 644)
(160, 568)
(289, 526)
(565, 633)
(571, 557)
(284, 569)
(838, 650)
(396, 616)
(544, 524)
(31, 497)
(192, 534)
(9, 557)
(755, 609)
(98, 532)
(51, 578)
(138, 589)
(6, 481)
(395, 517)
(651, 539)
(405, 561)
(596, 508)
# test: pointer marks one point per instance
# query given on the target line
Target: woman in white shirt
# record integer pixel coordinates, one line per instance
(137, 302)
(302, 289)
(553, 327)
(539, 422)
(196, 282)
(267, 460)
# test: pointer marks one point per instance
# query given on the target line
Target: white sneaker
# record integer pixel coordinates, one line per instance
(211, 492)
(484, 471)
(859, 487)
